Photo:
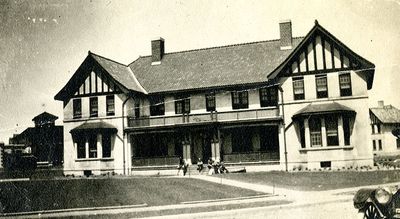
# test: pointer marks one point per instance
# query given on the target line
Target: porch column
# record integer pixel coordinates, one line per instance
(215, 147)
(99, 146)
(186, 149)
(86, 149)
(307, 133)
(340, 131)
(323, 132)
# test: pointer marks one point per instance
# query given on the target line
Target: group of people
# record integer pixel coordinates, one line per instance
(214, 167)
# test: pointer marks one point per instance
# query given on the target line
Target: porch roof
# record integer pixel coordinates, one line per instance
(323, 108)
(94, 126)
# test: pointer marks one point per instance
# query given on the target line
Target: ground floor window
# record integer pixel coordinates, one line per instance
(106, 144)
(87, 145)
(331, 124)
(315, 132)
(81, 147)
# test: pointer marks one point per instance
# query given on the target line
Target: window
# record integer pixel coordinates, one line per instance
(373, 128)
(92, 146)
(345, 84)
(298, 88)
(81, 147)
(331, 124)
(346, 130)
(137, 109)
(240, 100)
(322, 86)
(77, 108)
(157, 106)
(182, 105)
(210, 102)
(373, 145)
(268, 96)
(325, 164)
(315, 132)
(110, 105)
(380, 144)
(378, 127)
(106, 144)
(94, 108)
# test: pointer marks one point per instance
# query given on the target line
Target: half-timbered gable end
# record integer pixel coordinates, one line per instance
(321, 52)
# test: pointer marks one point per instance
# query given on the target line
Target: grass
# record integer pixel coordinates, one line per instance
(38, 195)
(317, 181)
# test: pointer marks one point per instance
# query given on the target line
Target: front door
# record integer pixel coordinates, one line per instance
(206, 147)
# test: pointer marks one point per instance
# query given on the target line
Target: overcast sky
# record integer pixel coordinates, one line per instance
(42, 43)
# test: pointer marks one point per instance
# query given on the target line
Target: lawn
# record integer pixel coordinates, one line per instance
(317, 181)
(78, 193)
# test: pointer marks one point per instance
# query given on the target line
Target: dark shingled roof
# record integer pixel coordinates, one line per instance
(212, 67)
(387, 114)
(45, 116)
(120, 72)
(323, 108)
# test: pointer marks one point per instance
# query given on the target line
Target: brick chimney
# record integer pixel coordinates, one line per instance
(381, 104)
(157, 51)
(285, 28)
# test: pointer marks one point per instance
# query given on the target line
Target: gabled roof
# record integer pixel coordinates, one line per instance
(318, 29)
(45, 116)
(323, 108)
(119, 73)
(387, 114)
(211, 67)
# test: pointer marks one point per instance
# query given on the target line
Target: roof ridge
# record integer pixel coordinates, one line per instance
(108, 59)
(219, 47)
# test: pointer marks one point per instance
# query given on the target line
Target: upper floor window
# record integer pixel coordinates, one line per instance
(240, 100)
(378, 128)
(137, 109)
(94, 107)
(345, 84)
(298, 88)
(322, 86)
(182, 105)
(268, 96)
(157, 106)
(77, 108)
(210, 102)
(110, 105)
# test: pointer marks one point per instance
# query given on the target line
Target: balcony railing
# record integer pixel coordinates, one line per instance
(237, 115)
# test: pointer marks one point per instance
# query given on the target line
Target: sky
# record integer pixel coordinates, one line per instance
(42, 43)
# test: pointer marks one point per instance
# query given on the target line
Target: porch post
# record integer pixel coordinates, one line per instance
(307, 133)
(340, 131)
(186, 149)
(99, 146)
(323, 132)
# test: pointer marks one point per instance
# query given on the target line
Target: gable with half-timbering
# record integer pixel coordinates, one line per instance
(320, 54)
(97, 83)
